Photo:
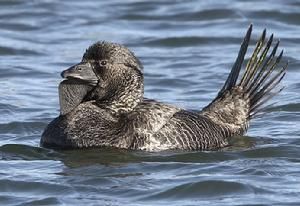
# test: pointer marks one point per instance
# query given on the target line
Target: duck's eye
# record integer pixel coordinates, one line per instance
(103, 62)
(79, 68)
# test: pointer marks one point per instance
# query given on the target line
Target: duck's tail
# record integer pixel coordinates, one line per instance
(243, 98)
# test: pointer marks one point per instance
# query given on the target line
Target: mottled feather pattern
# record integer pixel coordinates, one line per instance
(224, 112)
(111, 51)
(190, 131)
(116, 114)
(143, 122)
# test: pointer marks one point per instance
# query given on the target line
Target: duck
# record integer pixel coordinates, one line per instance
(102, 103)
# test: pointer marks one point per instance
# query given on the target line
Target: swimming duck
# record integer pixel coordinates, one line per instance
(102, 103)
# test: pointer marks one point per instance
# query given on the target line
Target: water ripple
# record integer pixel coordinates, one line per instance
(187, 48)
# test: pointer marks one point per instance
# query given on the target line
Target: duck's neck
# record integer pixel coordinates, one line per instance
(124, 97)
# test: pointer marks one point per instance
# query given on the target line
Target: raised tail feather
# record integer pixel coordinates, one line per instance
(243, 96)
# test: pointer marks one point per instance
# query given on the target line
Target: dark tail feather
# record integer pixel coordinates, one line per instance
(234, 74)
(261, 77)
(258, 109)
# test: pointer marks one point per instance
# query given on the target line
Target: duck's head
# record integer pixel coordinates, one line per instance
(113, 70)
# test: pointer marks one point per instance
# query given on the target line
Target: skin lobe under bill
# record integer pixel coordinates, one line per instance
(71, 94)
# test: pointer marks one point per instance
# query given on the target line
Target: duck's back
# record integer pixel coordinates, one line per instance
(150, 126)
(191, 131)
(90, 125)
(157, 126)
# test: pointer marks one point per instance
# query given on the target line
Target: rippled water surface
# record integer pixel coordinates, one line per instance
(187, 48)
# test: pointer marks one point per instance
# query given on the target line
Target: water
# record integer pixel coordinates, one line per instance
(187, 48)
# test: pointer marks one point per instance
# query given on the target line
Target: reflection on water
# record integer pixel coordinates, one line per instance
(187, 48)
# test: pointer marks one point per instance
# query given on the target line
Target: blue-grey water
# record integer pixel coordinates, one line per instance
(187, 48)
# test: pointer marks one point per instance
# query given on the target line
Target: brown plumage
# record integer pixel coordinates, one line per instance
(113, 112)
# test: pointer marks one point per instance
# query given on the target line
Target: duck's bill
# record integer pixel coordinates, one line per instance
(79, 81)
(81, 73)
